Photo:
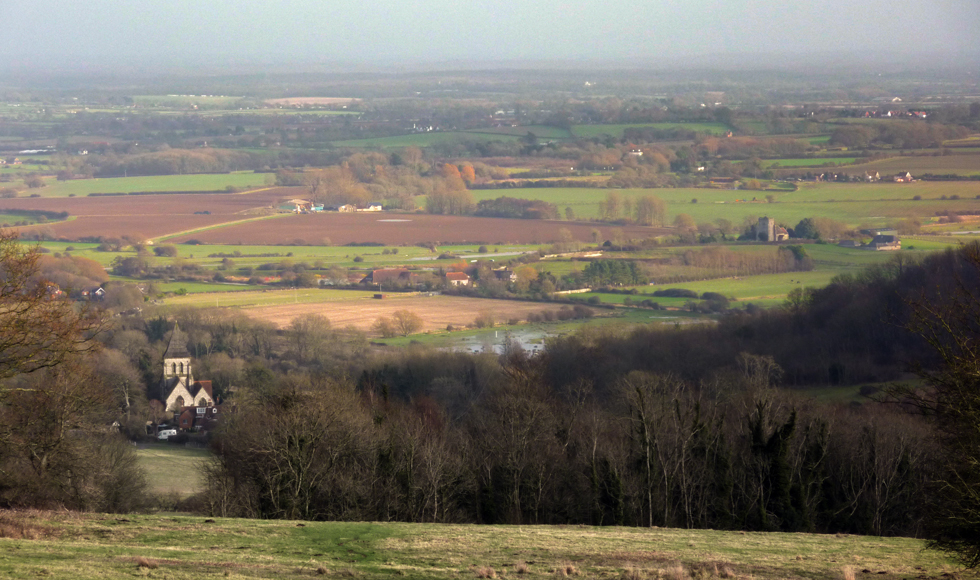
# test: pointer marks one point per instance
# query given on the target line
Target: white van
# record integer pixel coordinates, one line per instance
(165, 434)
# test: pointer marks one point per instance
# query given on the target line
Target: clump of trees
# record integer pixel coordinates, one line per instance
(53, 401)
(509, 207)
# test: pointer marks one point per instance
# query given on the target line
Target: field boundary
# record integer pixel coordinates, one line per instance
(216, 226)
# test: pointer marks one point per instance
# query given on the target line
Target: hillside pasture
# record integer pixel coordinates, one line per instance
(86, 546)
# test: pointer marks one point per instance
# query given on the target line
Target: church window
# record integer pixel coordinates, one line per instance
(203, 402)
(174, 368)
(179, 403)
(181, 368)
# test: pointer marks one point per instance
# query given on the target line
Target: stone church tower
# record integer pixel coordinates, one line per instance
(177, 362)
(178, 380)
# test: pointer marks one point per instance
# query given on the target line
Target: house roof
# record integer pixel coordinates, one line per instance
(456, 276)
(883, 239)
(202, 386)
(178, 345)
(389, 274)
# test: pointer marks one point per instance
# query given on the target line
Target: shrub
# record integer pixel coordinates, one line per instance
(675, 293)
(358, 259)
(166, 251)
(485, 320)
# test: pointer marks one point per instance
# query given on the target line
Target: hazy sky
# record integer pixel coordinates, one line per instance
(385, 31)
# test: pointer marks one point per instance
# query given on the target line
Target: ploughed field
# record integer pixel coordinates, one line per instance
(181, 216)
(84, 546)
(437, 312)
(395, 229)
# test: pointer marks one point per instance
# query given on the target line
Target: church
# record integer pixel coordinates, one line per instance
(178, 378)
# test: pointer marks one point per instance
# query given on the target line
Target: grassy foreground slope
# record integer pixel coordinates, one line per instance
(89, 546)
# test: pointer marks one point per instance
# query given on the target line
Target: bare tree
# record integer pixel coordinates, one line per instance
(38, 328)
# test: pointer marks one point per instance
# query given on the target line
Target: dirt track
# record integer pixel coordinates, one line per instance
(436, 311)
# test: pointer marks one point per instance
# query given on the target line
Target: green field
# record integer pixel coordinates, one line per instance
(962, 163)
(172, 469)
(807, 162)
(179, 547)
(204, 182)
(851, 203)
(7, 220)
(766, 290)
(212, 256)
(425, 139)
(588, 131)
(540, 131)
(158, 101)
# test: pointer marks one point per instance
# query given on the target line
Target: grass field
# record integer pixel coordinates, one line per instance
(540, 131)
(766, 290)
(207, 182)
(172, 469)
(7, 220)
(617, 130)
(99, 546)
(851, 203)
(959, 164)
(808, 162)
(425, 139)
(212, 256)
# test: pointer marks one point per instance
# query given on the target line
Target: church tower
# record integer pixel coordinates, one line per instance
(177, 375)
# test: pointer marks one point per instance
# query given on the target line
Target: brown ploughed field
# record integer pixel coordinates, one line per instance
(437, 312)
(400, 228)
(151, 216)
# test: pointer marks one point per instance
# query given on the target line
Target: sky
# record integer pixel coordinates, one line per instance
(67, 33)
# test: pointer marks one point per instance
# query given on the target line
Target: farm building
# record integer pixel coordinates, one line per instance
(903, 177)
(391, 277)
(370, 207)
(297, 206)
(457, 279)
(505, 275)
(883, 243)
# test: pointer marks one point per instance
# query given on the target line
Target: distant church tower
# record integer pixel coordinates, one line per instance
(765, 230)
(177, 361)
(177, 376)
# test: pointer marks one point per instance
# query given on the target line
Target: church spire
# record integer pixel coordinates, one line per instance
(177, 348)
